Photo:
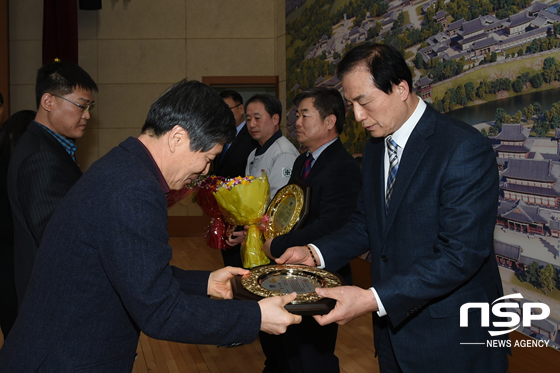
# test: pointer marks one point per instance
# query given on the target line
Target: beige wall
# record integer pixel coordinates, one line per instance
(135, 49)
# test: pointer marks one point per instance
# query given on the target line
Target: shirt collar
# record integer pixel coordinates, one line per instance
(68, 144)
(320, 149)
(402, 134)
(262, 149)
(240, 127)
(162, 183)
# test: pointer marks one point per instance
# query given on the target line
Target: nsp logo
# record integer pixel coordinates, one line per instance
(501, 310)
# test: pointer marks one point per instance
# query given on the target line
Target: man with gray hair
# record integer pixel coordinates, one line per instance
(102, 273)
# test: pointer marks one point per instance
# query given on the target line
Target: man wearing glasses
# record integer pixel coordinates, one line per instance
(43, 165)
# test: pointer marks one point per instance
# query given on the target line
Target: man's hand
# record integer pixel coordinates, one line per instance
(274, 317)
(218, 282)
(298, 255)
(236, 237)
(351, 302)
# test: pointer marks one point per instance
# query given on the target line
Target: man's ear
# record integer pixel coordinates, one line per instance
(177, 137)
(47, 102)
(276, 119)
(330, 121)
(403, 90)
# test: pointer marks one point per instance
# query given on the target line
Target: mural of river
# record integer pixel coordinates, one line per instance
(486, 112)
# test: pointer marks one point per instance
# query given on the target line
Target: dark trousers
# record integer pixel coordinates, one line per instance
(385, 354)
(304, 348)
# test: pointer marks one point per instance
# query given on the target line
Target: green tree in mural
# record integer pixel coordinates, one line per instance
(532, 274)
(555, 121)
(537, 80)
(538, 109)
(517, 85)
(529, 111)
(546, 278)
(499, 116)
(517, 117)
(470, 90)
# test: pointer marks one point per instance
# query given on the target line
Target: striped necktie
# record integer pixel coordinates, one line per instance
(393, 168)
(307, 166)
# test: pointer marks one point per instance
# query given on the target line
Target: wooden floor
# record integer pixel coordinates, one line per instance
(354, 346)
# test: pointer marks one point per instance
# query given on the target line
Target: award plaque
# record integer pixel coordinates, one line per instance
(277, 280)
(287, 210)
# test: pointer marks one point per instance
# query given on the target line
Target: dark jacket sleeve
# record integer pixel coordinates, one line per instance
(334, 196)
(165, 302)
(42, 181)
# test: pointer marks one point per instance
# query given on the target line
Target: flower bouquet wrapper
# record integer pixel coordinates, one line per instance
(215, 234)
(243, 201)
(176, 196)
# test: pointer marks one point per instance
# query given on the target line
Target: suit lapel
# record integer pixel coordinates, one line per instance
(415, 150)
(324, 159)
(373, 188)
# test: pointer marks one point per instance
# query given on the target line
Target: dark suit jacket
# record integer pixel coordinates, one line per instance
(40, 174)
(433, 251)
(235, 160)
(335, 181)
(102, 275)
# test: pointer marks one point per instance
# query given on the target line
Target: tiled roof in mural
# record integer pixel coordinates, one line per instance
(529, 169)
(512, 132)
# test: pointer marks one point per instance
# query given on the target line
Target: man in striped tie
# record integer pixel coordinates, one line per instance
(426, 213)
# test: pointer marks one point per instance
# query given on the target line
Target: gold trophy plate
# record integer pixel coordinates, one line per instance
(287, 210)
(277, 280)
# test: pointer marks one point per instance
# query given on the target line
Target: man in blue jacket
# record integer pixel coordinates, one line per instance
(102, 273)
(426, 213)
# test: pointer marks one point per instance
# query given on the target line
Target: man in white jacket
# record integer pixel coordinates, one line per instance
(275, 154)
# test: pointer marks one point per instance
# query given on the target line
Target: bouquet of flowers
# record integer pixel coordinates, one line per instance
(243, 201)
(215, 234)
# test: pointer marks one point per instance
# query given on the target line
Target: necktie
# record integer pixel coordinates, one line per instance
(307, 166)
(393, 168)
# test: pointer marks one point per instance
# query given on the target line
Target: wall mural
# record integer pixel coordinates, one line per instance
(491, 63)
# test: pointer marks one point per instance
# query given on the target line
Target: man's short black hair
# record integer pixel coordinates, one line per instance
(198, 109)
(272, 105)
(62, 78)
(234, 95)
(386, 65)
(327, 101)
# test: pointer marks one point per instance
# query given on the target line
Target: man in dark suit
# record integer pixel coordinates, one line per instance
(427, 213)
(43, 167)
(102, 274)
(231, 162)
(334, 177)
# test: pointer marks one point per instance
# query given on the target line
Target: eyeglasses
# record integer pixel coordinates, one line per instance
(233, 107)
(85, 108)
